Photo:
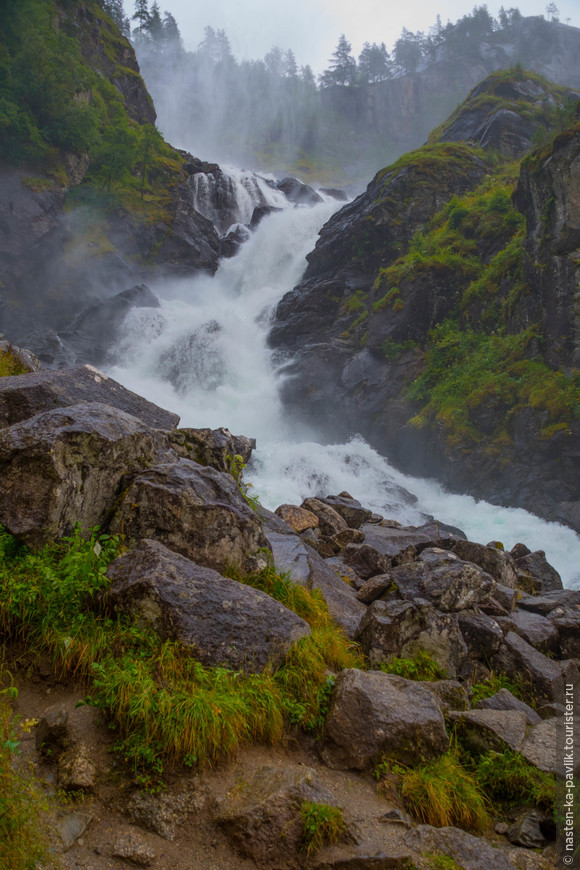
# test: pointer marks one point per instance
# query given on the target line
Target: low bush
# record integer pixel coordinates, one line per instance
(442, 792)
(510, 780)
(322, 825)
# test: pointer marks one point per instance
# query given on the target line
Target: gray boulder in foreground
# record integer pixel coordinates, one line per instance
(65, 466)
(262, 819)
(223, 621)
(196, 511)
(470, 853)
(374, 714)
(24, 396)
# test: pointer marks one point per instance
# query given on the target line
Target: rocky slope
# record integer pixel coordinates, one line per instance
(77, 446)
(431, 321)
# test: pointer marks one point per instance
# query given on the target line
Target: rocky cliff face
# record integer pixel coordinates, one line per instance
(68, 238)
(433, 323)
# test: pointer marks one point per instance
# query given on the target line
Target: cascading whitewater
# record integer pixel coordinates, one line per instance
(228, 196)
(204, 354)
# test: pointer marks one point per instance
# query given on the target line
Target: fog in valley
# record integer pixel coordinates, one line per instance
(227, 94)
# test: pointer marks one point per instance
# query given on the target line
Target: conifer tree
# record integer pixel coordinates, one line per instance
(342, 70)
(141, 16)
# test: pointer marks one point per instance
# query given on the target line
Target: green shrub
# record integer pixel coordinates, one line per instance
(322, 825)
(493, 684)
(510, 780)
(10, 365)
(465, 368)
(422, 667)
(442, 792)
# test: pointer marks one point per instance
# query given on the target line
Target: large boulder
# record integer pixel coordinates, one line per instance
(65, 466)
(23, 396)
(540, 747)
(298, 518)
(566, 622)
(482, 730)
(403, 628)
(397, 541)
(196, 511)
(541, 675)
(536, 629)
(215, 447)
(366, 561)
(504, 700)
(536, 575)
(443, 578)
(351, 510)
(470, 853)
(493, 560)
(298, 192)
(374, 714)
(262, 818)
(481, 633)
(225, 622)
(329, 520)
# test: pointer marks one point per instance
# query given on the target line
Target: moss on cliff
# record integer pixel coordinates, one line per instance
(481, 367)
(527, 94)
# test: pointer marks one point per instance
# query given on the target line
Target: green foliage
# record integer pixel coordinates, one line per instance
(554, 110)
(45, 86)
(10, 364)
(495, 683)
(162, 703)
(304, 677)
(394, 349)
(322, 825)
(356, 302)
(510, 780)
(442, 792)
(465, 368)
(23, 842)
(440, 862)
(422, 667)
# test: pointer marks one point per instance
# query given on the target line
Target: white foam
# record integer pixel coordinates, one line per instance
(203, 354)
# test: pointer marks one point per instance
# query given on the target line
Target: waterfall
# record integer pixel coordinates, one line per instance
(227, 196)
(204, 355)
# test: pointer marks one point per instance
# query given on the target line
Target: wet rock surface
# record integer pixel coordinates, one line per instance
(216, 527)
(262, 818)
(226, 623)
(24, 396)
(374, 714)
(399, 592)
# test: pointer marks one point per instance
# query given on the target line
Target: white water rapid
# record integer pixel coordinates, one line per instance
(203, 354)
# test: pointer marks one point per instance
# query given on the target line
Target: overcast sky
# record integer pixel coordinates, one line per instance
(311, 28)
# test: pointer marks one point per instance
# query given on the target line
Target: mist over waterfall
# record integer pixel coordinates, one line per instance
(203, 354)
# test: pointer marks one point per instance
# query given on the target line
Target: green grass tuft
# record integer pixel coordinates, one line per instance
(442, 792)
(422, 667)
(322, 825)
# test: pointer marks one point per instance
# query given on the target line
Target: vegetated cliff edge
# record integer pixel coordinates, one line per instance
(391, 117)
(438, 323)
(91, 197)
